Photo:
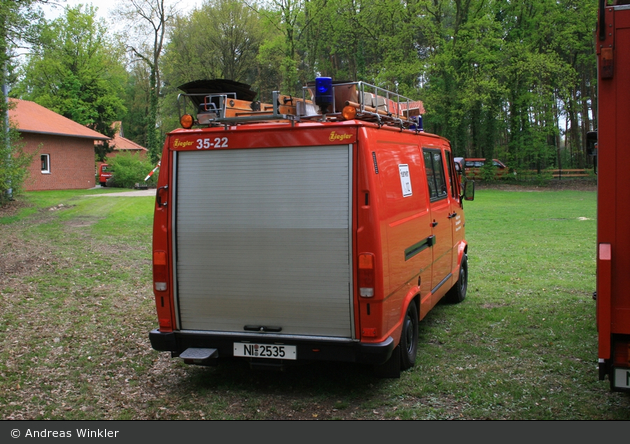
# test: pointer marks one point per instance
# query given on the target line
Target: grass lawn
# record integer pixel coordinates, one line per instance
(76, 307)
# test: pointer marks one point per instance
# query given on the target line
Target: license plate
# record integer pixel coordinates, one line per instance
(269, 351)
(622, 378)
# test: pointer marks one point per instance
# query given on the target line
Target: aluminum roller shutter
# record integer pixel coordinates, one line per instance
(263, 238)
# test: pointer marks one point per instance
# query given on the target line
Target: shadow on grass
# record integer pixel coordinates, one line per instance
(305, 378)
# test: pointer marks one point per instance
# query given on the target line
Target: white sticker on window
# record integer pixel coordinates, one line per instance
(405, 180)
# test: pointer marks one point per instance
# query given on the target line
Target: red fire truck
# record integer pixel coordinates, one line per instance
(103, 172)
(613, 205)
(307, 229)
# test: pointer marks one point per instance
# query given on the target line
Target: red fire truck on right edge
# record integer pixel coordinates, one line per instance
(613, 206)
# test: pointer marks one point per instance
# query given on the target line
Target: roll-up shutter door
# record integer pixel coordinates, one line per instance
(263, 238)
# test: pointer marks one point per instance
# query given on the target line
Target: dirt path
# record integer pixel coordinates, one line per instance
(136, 193)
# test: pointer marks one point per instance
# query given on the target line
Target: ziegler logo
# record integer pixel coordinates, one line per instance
(183, 144)
(340, 137)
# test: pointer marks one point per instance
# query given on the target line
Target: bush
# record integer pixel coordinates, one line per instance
(14, 165)
(488, 172)
(129, 169)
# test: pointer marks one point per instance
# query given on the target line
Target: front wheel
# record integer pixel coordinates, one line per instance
(458, 292)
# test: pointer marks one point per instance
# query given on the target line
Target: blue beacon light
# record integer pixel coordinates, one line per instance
(323, 93)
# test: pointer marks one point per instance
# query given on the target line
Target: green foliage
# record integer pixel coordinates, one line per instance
(221, 40)
(147, 22)
(509, 79)
(14, 163)
(218, 41)
(488, 172)
(136, 99)
(496, 77)
(129, 169)
(18, 22)
(76, 71)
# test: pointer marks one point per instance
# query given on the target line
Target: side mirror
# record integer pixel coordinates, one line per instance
(469, 190)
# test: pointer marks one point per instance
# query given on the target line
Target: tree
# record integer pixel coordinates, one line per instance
(75, 71)
(290, 20)
(148, 20)
(18, 22)
(500, 73)
(137, 99)
(218, 41)
(496, 76)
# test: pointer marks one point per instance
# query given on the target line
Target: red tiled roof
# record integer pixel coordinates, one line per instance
(121, 143)
(33, 118)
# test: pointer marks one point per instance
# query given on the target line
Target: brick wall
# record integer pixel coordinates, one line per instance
(71, 162)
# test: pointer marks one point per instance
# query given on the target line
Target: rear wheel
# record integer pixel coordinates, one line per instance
(409, 338)
(404, 355)
(458, 293)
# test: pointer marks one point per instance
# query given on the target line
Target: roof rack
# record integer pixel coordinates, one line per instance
(369, 102)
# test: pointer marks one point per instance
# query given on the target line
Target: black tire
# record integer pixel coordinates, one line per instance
(458, 292)
(409, 338)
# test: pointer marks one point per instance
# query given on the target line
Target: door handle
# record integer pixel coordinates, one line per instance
(158, 196)
(450, 216)
(434, 224)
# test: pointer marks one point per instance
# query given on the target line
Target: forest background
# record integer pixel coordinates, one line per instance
(507, 79)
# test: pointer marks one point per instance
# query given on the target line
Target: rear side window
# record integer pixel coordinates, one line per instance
(436, 180)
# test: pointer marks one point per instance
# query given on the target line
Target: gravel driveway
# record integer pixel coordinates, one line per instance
(136, 193)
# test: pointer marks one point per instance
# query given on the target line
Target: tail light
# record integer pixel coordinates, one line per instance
(366, 275)
(159, 270)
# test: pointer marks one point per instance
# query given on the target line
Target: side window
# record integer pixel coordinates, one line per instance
(435, 174)
(45, 159)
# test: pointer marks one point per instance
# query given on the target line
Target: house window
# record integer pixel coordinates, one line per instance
(45, 163)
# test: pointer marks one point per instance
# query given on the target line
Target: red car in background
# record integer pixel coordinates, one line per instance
(473, 168)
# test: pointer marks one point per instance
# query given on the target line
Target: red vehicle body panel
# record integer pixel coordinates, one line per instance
(384, 223)
(103, 173)
(613, 206)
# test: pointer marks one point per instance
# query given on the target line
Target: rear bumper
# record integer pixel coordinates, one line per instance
(316, 349)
